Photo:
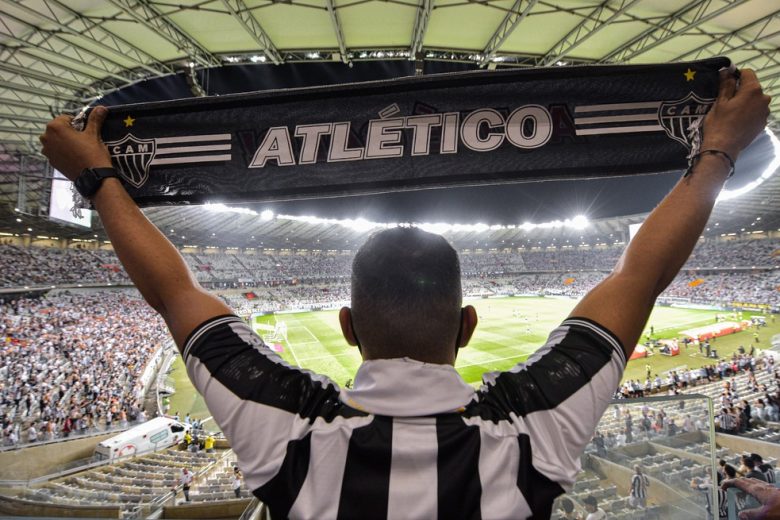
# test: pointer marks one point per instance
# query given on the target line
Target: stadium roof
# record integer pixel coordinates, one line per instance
(59, 55)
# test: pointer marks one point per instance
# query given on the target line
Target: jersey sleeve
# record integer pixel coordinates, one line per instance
(260, 402)
(558, 395)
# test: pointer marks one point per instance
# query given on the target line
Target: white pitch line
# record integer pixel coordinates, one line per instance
(684, 324)
(328, 356)
(316, 339)
(488, 361)
(289, 345)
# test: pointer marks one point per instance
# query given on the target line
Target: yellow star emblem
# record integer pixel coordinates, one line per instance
(689, 74)
(128, 121)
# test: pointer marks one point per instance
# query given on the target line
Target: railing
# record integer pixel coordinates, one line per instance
(169, 354)
(674, 456)
(91, 432)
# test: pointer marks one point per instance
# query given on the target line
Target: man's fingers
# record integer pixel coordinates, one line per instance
(95, 121)
(747, 77)
(753, 514)
(728, 85)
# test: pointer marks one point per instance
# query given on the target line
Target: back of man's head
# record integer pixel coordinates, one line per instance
(406, 296)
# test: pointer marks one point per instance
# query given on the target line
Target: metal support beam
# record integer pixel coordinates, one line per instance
(21, 189)
(24, 117)
(98, 36)
(517, 14)
(336, 23)
(754, 32)
(596, 20)
(19, 130)
(36, 91)
(29, 72)
(34, 56)
(420, 27)
(46, 40)
(689, 17)
(241, 13)
(29, 106)
(146, 13)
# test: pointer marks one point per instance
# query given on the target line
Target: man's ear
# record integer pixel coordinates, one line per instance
(345, 320)
(468, 322)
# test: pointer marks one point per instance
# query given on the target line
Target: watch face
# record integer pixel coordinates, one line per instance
(87, 182)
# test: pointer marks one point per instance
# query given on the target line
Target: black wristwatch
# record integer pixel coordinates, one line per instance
(90, 180)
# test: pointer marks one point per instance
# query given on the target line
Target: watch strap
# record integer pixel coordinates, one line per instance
(91, 179)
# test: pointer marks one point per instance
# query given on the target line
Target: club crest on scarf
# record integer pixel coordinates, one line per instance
(676, 116)
(132, 157)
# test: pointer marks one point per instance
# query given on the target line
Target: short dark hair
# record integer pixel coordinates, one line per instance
(590, 500)
(758, 459)
(748, 462)
(406, 295)
(730, 471)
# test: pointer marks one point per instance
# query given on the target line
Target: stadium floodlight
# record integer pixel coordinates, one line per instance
(437, 227)
(266, 215)
(360, 224)
(773, 165)
(221, 208)
(578, 222)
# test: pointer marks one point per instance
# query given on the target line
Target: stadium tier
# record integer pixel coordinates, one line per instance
(74, 364)
(717, 272)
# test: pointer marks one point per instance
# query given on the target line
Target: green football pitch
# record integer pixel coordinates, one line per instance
(509, 330)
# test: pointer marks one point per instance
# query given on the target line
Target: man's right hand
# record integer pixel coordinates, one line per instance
(734, 121)
(767, 495)
(71, 151)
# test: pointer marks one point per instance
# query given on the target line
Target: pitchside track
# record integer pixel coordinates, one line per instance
(510, 329)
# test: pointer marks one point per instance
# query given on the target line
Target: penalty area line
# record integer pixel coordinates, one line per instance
(290, 346)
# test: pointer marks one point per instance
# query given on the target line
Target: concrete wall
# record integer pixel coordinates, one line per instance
(743, 444)
(701, 459)
(225, 509)
(14, 507)
(36, 461)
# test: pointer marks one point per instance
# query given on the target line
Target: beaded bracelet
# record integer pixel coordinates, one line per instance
(695, 157)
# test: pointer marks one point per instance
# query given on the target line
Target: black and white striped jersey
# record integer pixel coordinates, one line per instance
(639, 485)
(411, 440)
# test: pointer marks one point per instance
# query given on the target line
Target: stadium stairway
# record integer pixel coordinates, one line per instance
(124, 486)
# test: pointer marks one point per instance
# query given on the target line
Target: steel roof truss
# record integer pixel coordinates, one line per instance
(84, 54)
(725, 39)
(241, 13)
(689, 17)
(514, 17)
(336, 23)
(420, 26)
(597, 20)
(81, 26)
(144, 12)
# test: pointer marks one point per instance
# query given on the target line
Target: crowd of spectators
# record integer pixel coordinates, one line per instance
(735, 286)
(37, 266)
(748, 395)
(46, 266)
(72, 363)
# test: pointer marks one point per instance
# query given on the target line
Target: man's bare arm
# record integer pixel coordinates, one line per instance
(623, 301)
(153, 263)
